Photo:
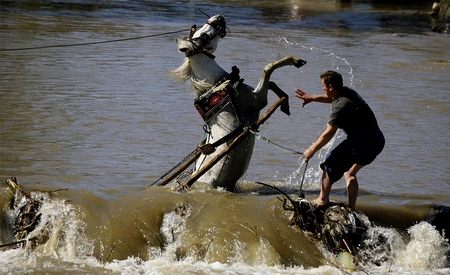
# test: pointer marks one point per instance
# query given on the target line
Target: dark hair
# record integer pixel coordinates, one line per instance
(333, 78)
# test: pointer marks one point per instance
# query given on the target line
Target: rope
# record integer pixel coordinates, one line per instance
(90, 43)
(283, 148)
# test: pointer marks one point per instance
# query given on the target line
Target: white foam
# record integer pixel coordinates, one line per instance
(426, 250)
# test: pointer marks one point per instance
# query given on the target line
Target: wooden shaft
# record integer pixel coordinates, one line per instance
(225, 151)
(181, 168)
(270, 111)
(218, 157)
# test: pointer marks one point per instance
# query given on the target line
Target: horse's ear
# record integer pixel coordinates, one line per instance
(193, 28)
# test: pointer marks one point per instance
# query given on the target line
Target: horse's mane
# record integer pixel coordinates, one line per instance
(184, 73)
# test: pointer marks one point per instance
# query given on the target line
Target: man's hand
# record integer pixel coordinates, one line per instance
(302, 95)
(324, 138)
(308, 154)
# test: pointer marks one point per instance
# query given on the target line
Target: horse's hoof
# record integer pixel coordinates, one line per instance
(285, 109)
(299, 63)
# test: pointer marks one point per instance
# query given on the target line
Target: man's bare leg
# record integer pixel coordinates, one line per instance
(324, 196)
(352, 184)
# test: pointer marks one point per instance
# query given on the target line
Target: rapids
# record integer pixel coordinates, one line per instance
(156, 228)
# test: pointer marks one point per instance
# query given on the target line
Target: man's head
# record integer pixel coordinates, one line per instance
(332, 78)
(332, 83)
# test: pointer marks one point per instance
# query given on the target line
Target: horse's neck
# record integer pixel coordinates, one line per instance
(206, 69)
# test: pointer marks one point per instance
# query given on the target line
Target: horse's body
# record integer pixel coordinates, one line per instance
(203, 72)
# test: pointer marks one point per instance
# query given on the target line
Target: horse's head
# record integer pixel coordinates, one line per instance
(205, 39)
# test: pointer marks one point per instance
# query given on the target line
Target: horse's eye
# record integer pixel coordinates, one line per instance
(204, 37)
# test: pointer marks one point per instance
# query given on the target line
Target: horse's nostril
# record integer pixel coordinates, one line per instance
(183, 50)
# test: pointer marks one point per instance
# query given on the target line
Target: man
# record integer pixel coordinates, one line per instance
(364, 138)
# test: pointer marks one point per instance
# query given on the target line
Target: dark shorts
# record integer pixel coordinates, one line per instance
(361, 149)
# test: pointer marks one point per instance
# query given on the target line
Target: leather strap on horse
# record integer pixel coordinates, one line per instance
(209, 148)
(222, 154)
(220, 25)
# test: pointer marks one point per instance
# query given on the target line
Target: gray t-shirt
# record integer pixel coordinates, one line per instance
(352, 114)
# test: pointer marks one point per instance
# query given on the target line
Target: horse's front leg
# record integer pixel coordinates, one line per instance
(264, 84)
(280, 93)
(286, 61)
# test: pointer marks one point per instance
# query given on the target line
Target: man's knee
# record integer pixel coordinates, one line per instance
(349, 177)
(351, 173)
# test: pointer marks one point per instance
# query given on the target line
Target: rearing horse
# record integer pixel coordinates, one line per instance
(225, 103)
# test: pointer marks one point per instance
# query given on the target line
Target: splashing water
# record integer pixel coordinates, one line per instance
(313, 175)
(426, 249)
(327, 58)
(67, 244)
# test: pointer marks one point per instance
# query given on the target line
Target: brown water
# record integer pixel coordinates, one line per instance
(105, 121)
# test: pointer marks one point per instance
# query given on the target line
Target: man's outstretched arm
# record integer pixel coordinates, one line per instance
(307, 98)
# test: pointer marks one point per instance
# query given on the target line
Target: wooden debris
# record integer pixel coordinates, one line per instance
(27, 208)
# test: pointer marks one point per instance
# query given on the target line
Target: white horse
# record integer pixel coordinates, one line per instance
(238, 104)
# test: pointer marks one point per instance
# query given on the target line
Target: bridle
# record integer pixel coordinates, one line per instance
(198, 43)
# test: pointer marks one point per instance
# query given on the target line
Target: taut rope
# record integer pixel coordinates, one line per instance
(283, 148)
(90, 43)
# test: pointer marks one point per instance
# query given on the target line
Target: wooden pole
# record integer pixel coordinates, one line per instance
(269, 112)
(230, 146)
(181, 168)
(218, 157)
